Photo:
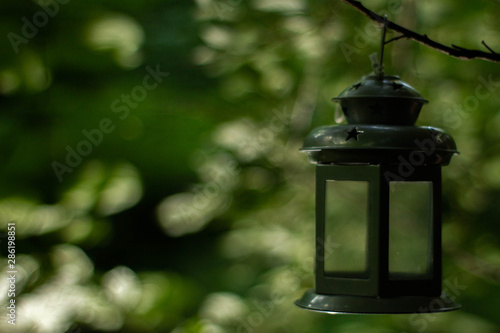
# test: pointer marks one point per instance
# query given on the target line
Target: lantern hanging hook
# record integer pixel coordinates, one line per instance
(378, 68)
(382, 44)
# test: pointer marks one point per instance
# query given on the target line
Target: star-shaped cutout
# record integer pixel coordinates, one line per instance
(356, 86)
(437, 136)
(396, 86)
(353, 134)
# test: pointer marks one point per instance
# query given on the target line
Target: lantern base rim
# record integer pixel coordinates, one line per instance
(346, 304)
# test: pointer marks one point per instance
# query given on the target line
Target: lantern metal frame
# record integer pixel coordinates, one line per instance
(380, 135)
(377, 282)
(375, 291)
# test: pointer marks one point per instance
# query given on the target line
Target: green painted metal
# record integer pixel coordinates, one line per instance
(379, 145)
(340, 304)
(375, 100)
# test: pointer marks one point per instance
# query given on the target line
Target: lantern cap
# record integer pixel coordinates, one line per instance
(389, 86)
(381, 100)
(377, 144)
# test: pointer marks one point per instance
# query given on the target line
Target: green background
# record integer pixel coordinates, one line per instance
(196, 212)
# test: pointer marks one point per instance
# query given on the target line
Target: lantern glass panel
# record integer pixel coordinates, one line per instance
(346, 227)
(410, 230)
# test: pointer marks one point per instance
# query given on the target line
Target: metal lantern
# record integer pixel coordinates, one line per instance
(378, 204)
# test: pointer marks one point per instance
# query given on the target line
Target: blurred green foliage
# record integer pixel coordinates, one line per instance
(195, 213)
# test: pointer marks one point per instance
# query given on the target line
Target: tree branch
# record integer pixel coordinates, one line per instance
(454, 51)
(486, 46)
(394, 39)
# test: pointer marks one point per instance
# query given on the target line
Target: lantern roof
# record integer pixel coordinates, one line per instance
(376, 144)
(380, 99)
(388, 86)
(381, 111)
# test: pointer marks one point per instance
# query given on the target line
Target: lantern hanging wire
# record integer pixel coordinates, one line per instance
(378, 68)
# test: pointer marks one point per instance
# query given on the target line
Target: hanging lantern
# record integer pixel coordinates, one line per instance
(378, 204)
